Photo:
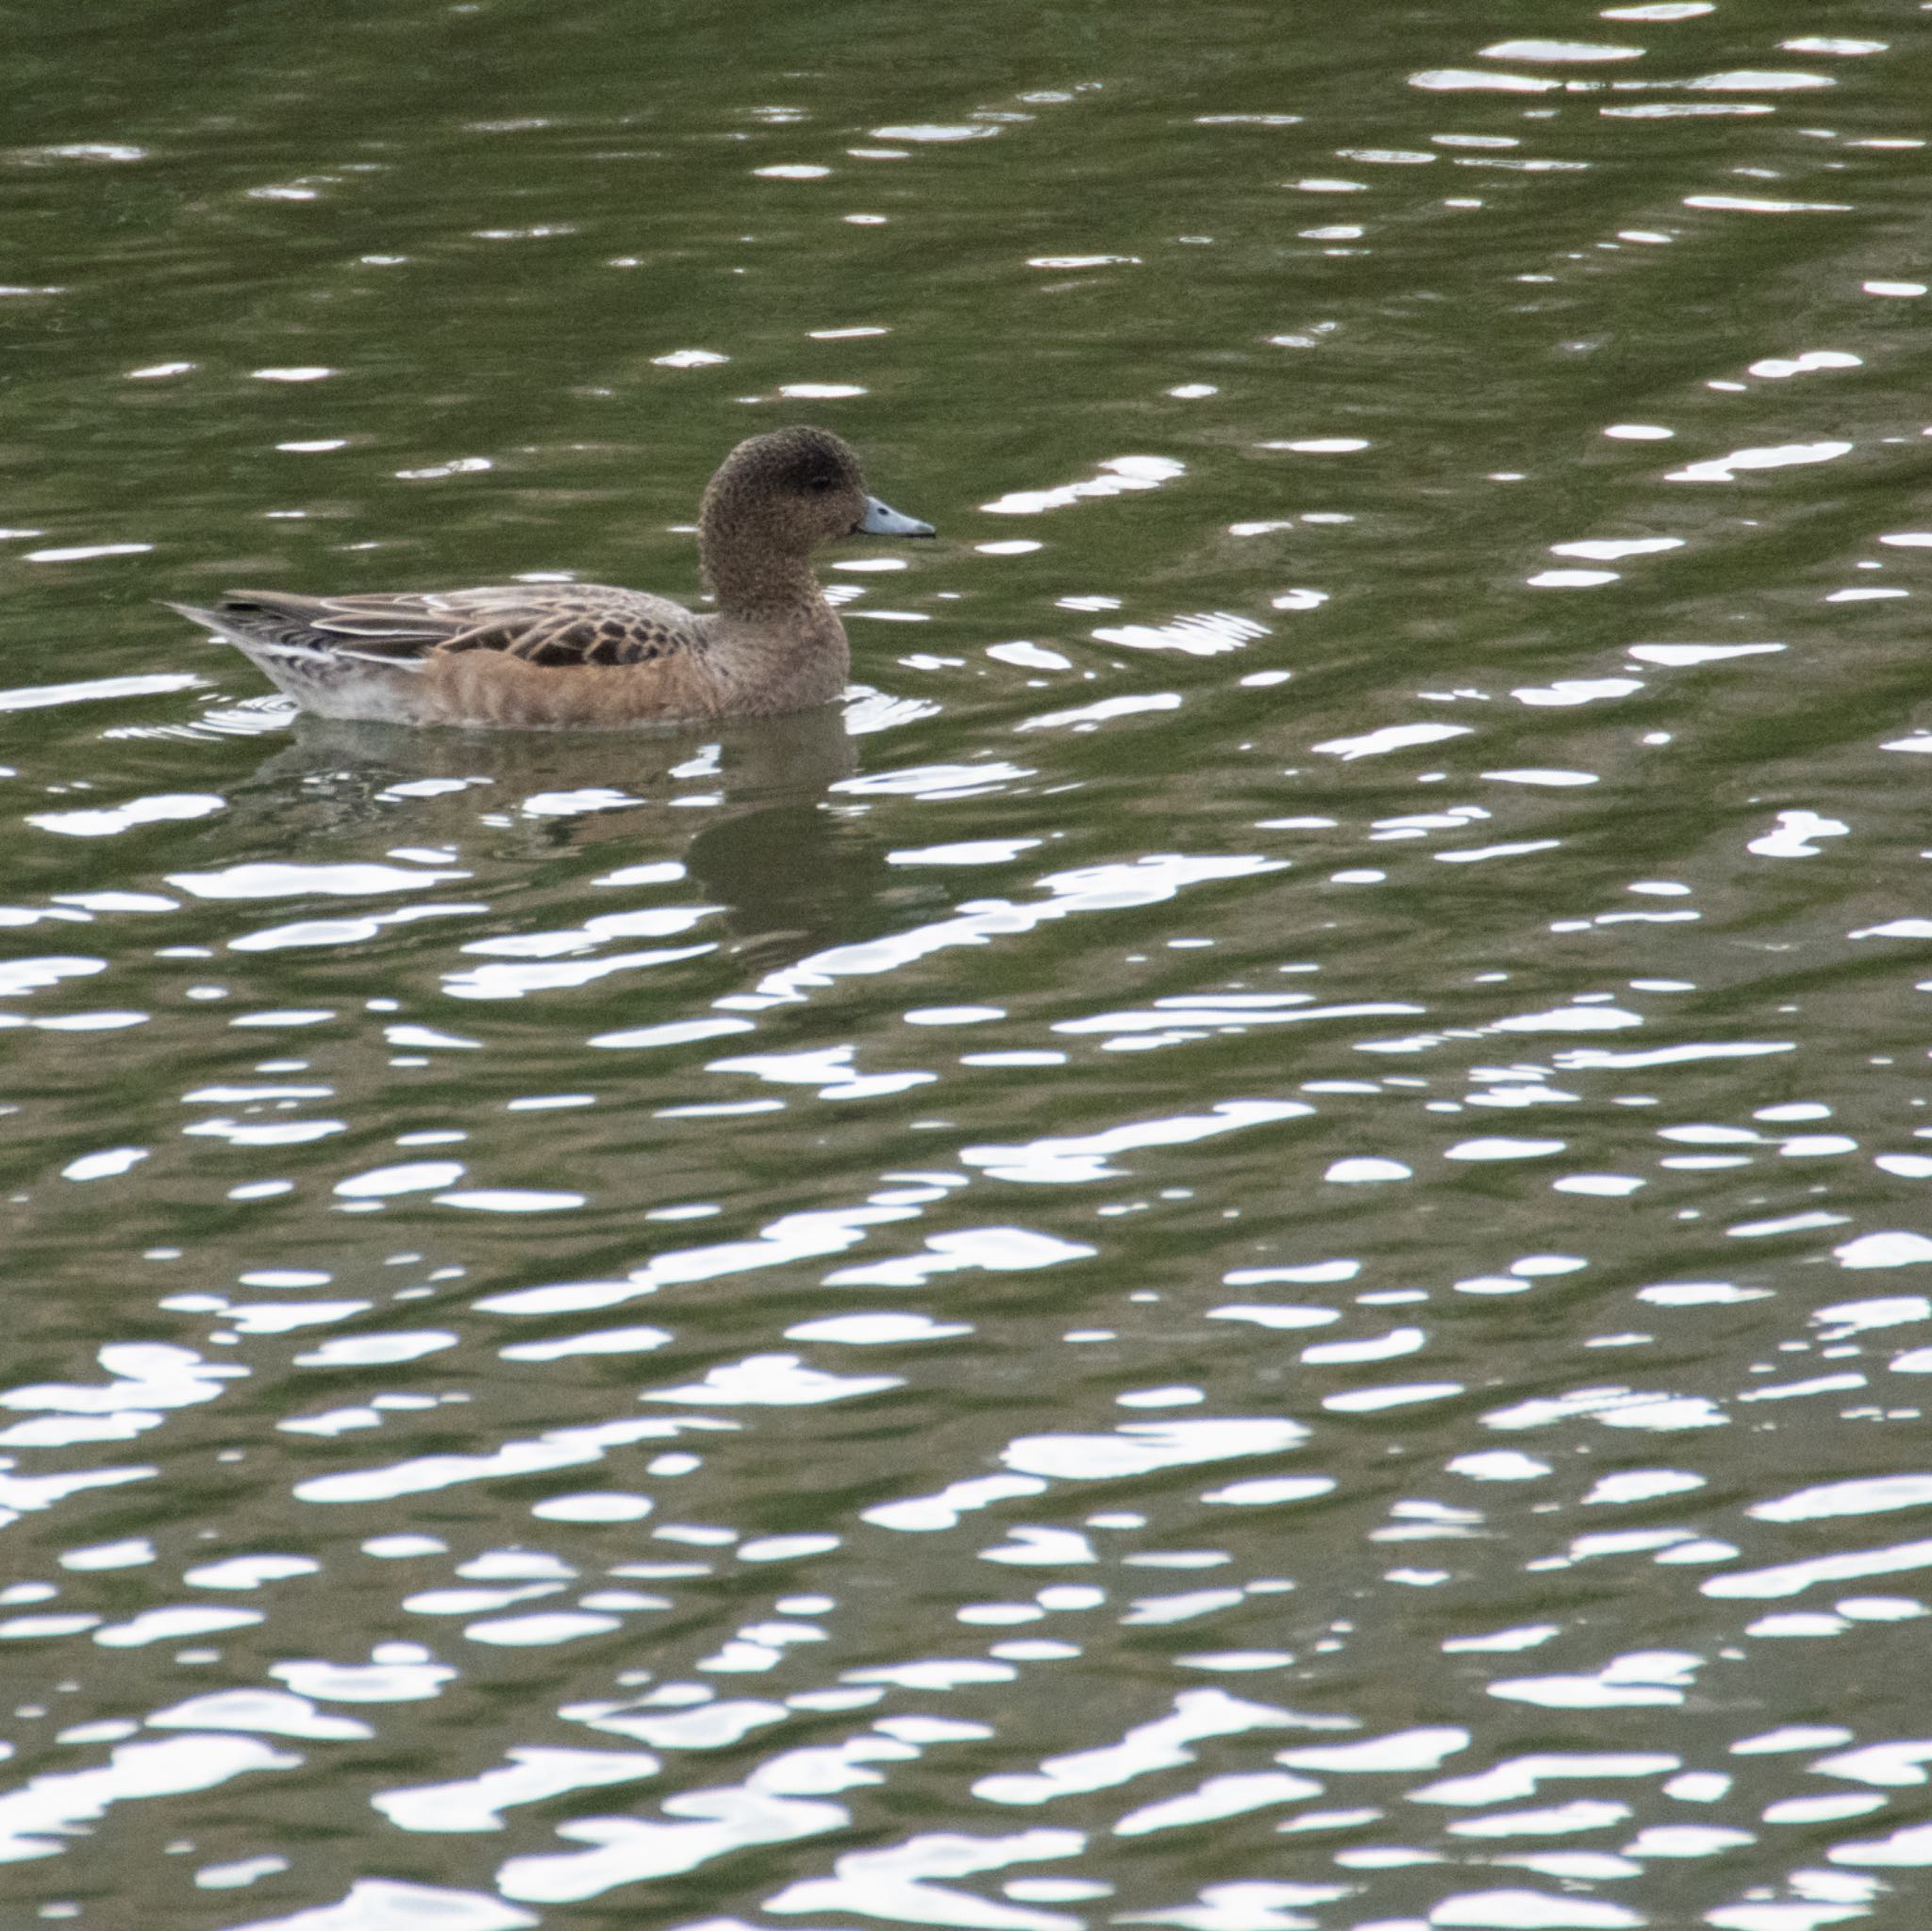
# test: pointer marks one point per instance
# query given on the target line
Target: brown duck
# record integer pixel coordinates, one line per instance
(584, 656)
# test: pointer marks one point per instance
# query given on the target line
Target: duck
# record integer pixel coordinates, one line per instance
(587, 656)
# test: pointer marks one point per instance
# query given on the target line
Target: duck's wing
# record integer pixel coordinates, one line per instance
(551, 624)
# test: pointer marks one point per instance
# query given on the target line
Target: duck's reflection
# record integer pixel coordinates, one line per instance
(745, 806)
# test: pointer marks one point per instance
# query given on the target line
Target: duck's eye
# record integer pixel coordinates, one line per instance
(819, 485)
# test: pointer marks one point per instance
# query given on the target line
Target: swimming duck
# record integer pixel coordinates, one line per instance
(581, 656)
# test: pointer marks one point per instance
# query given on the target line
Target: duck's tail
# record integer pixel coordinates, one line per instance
(321, 674)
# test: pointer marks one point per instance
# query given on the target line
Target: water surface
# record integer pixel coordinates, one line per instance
(1249, 1250)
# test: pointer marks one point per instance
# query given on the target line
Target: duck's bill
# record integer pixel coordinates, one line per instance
(880, 519)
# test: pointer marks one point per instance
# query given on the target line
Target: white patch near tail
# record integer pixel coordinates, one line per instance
(333, 683)
(342, 683)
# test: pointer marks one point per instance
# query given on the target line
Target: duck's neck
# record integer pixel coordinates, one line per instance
(772, 660)
(773, 636)
(753, 582)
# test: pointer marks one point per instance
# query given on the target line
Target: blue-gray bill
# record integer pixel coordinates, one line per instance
(880, 519)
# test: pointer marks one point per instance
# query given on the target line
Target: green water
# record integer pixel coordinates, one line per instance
(1251, 1249)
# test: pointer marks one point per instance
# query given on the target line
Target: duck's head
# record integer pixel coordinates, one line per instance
(789, 490)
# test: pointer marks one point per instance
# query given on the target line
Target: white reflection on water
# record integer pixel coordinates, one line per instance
(172, 1623)
(1148, 880)
(561, 1448)
(397, 1672)
(154, 683)
(1639, 1681)
(1118, 475)
(901, 1884)
(609, 1340)
(111, 820)
(875, 1329)
(631, 1850)
(1204, 634)
(1140, 1448)
(532, 1775)
(1162, 1745)
(1725, 469)
(36, 1818)
(382, 1904)
(775, 1381)
(927, 1514)
(791, 1237)
(244, 1870)
(1558, 51)
(1088, 717)
(1392, 738)
(519, 981)
(270, 1713)
(282, 879)
(1061, 1161)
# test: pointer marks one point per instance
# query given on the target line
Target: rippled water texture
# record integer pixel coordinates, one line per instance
(1253, 1250)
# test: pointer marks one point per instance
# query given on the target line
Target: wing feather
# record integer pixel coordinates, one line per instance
(554, 626)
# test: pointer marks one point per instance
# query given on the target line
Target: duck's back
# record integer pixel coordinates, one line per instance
(465, 656)
(556, 624)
